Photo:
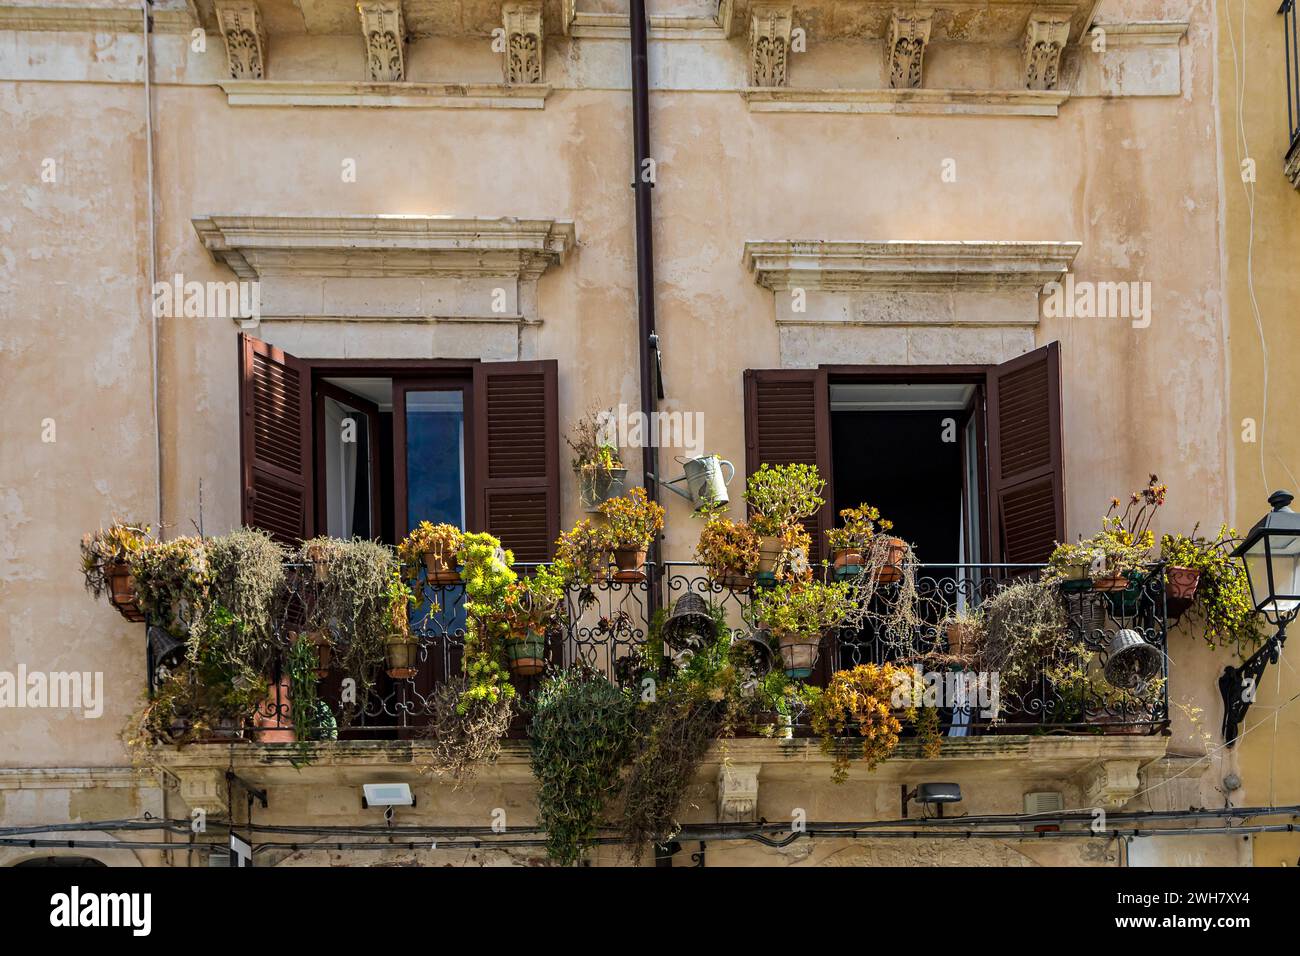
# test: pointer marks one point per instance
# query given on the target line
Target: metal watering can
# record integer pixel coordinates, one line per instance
(705, 484)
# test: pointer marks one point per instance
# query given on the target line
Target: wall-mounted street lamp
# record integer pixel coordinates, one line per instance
(1271, 554)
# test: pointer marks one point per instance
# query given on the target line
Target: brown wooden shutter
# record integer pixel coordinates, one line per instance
(1026, 487)
(275, 441)
(517, 455)
(788, 422)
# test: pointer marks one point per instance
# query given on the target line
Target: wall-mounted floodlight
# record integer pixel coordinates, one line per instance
(932, 794)
(387, 795)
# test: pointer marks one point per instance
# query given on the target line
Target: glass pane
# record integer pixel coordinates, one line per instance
(347, 471)
(435, 457)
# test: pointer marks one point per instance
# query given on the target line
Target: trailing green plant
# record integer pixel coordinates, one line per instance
(727, 548)
(442, 541)
(580, 733)
(312, 718)
(171, 581)
(858, 701)
(783, 495)
(582, 554)
(351, 602)
(1223, 601)
(1025, 631)
(247, 579)
(861, 525)
(115, 545)
(487, 575)
(634, 521)
(463, 735)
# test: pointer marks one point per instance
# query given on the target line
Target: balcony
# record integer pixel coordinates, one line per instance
(604, 625)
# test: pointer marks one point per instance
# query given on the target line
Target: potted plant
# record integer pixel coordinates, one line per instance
(852, 542)
(729, 552)
(435, 546)
(401, 647)
(171, 581)
(106, 564)
(798, 614)
(596, 461)
(582, 554)
(964, 633)
(1204, 578)
(861, 701)
(531, 605)
(780, 498)
(634, 521)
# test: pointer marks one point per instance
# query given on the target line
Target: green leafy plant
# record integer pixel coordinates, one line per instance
(440, 541)
(804, 610)
(581, 729)
(727, 548)
(582, 554)
(464, 732)
(487, 575)
(111, 547)
(171, 581)
(634, 520)
(1122, 547)
(783, 495)
(861, 524)
(1223, 601)
(247, 579)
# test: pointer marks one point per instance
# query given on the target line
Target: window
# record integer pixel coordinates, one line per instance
(371, 448)
(880, 434)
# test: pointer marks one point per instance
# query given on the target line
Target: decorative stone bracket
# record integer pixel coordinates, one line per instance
(203, 787)
(1045, 37)
(240, 22)
(909, 32)
(1112, 784)
(769, 45)
(525, 51)
(385, 36)
(738, 793)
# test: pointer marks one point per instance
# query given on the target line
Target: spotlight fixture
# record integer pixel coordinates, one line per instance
(386, 795)
(932, 794)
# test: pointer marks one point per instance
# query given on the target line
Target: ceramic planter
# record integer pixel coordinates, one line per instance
(437, 569)
(1180, 590)
(272, 723)
(526, 653)
(1122, 591)
(1075, 577)
(849, 562)
(892, 570)
(601, 487)
(628, 564)
(402, 656)
(798, 654)
(121, 591)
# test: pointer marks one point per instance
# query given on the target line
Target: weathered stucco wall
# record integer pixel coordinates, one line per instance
(1134, 178)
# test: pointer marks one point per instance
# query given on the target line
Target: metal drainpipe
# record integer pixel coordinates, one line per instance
(145, 6)
(642, 186)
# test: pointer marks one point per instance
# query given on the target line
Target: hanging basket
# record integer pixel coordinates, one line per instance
(598, 487)
(798, 654)
(437, 570)
(526, 653)
(121, 591)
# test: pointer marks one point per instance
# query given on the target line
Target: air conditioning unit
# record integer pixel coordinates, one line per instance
(1042, 802)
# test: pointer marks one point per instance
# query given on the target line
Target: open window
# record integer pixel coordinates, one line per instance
(372, 448)
(966, 460)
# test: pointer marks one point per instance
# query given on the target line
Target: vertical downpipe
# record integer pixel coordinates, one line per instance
(642, 184)
(145, 6)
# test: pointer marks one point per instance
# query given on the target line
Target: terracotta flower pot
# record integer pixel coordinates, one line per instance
(892, 570)
(769, 553)
(526, 653)
(629, 564)
(798, 653)
(849, 562)
(960, 640)
(121, 591)
(437, 569)
(272, 723)
(1180, 590)
(402, 656)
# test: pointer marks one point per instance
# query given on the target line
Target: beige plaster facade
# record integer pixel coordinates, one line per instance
(1112, 170)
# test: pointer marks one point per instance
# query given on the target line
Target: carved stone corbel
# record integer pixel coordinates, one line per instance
(738, 793)
(909, 32)
(1113, 783)
(203, 787)
(241, 28)
(385, 35)
(1045, 37)
(524, 42)
(769, 45)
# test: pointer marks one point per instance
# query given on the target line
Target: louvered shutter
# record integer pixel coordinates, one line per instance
(516, 448)
(275, 441)
(1026, 487)
(788, 422)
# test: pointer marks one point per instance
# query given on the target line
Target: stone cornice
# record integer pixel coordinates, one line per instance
(258, 246)
(907, 101)
(902, 264)
(427, 96)
(614, 26)
(91, 19)
(1144, 32)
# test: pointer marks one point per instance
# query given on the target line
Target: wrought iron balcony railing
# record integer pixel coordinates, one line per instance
(1291, 48)
(606, 623)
